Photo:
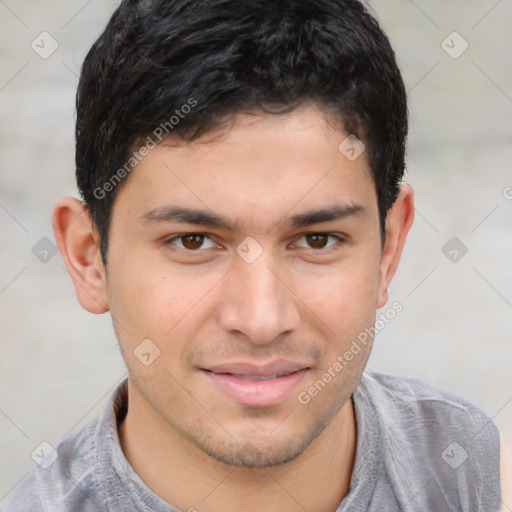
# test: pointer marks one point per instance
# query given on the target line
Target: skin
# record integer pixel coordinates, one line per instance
(304, 299)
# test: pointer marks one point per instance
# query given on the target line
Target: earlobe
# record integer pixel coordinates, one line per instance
(398, 222)
(79, 248)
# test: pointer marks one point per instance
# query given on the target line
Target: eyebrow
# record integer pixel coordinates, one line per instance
(207, 218)
(188, 216)
(325, 214)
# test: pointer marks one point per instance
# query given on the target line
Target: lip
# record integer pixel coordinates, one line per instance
(256, 385)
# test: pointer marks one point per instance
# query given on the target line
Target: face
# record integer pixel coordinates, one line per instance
(251, 262)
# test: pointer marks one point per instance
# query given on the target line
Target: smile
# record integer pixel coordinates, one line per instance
(256, 386)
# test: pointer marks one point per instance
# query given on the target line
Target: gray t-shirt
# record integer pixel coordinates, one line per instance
(419, 449)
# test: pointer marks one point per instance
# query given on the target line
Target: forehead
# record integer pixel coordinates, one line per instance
(256, 171)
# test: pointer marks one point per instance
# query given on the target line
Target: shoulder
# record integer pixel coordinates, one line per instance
(56, 481)
(404, 401)
(437, 447)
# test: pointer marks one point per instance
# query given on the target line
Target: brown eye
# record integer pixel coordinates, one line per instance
(192, 241)
(317, 240)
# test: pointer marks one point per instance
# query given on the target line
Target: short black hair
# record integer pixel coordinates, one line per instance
(183, 67)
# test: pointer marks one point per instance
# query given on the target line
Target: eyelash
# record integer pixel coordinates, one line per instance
(171, 240)
(340, 239)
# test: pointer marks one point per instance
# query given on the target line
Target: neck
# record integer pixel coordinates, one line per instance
(181, 474)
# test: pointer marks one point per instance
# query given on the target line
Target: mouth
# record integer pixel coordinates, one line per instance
(254, 385)
(257, 377)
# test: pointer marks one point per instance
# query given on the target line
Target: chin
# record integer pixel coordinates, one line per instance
(249, 455)
(250, 450)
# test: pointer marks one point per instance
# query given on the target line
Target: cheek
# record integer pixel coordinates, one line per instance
(344, 296)
(155, 302)
(151, 306)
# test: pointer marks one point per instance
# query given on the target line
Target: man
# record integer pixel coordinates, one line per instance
(243, 214)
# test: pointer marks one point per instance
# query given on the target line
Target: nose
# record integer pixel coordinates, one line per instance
(257, 302)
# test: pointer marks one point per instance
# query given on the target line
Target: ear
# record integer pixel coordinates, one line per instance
(398, 222)
(78, 245)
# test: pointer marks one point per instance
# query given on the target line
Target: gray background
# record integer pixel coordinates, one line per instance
(59, 363)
